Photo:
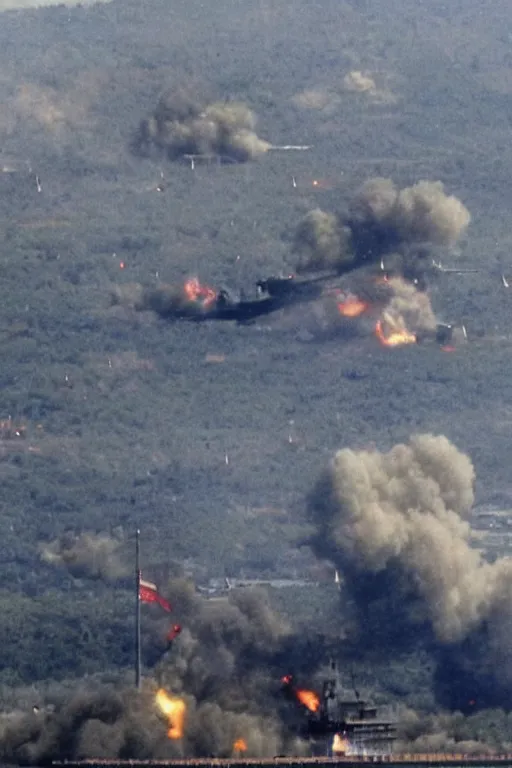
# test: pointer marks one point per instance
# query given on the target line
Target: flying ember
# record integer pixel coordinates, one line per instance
(174, 709)
(173, 632)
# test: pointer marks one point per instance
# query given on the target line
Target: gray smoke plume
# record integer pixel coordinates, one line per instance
(453, 733)
(86, 554)
(225, 666)
(396, 525)
(183, 125)
(321, 242)
(164, 299)
(383, 222)
(408, 309)
(420, 213)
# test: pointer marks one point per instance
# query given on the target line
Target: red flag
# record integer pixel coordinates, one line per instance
(148, 593)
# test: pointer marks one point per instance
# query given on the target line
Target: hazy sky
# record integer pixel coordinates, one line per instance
(6, 5)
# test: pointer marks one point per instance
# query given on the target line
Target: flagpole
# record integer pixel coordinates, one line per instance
(137, 608)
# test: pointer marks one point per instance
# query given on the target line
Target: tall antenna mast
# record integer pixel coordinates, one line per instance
(137, 608)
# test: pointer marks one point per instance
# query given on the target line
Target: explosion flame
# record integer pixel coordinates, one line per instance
(340, 745)
(199, 294)
(240, 745)
(308, 699)
(395, 335)
(175, 710)
(353, 306)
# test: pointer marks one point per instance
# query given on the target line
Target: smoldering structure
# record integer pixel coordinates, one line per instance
(396, 525)
(214, 693)
(383, 222)
(182, 125)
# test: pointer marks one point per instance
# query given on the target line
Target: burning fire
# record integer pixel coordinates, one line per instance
(308, 699)
(339, 745)
(174, 709)
(201, 294)
(395, 334)
(352, 307)
(240, 745)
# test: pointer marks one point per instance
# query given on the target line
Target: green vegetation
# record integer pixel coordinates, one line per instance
(128, 424)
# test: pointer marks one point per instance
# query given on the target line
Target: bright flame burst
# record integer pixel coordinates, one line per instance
(174, 709)
(197, 293)
(240, 745)
(309, 699)
(339, 745)
(352, 307)
(395, 333)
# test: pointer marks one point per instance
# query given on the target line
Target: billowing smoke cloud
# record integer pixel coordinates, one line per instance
(383, 222)
(322, 242)
(420, 213)
(87, 554)
(182, 125)
(480, 733)
(408, 309)
(59, 112)
(187, 300)
(396, 525)
(225, 665)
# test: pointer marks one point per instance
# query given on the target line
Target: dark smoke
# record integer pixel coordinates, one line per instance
(396, 525)
(482, 733)
(422, 213)
(182, 124)
(383, 222)
(321, 242)
(226, 665)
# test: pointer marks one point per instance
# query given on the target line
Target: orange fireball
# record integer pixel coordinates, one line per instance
(340, 745)
(175, 710)
(240, 745)
(309, 699)
(352, 307)
(195, 292)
